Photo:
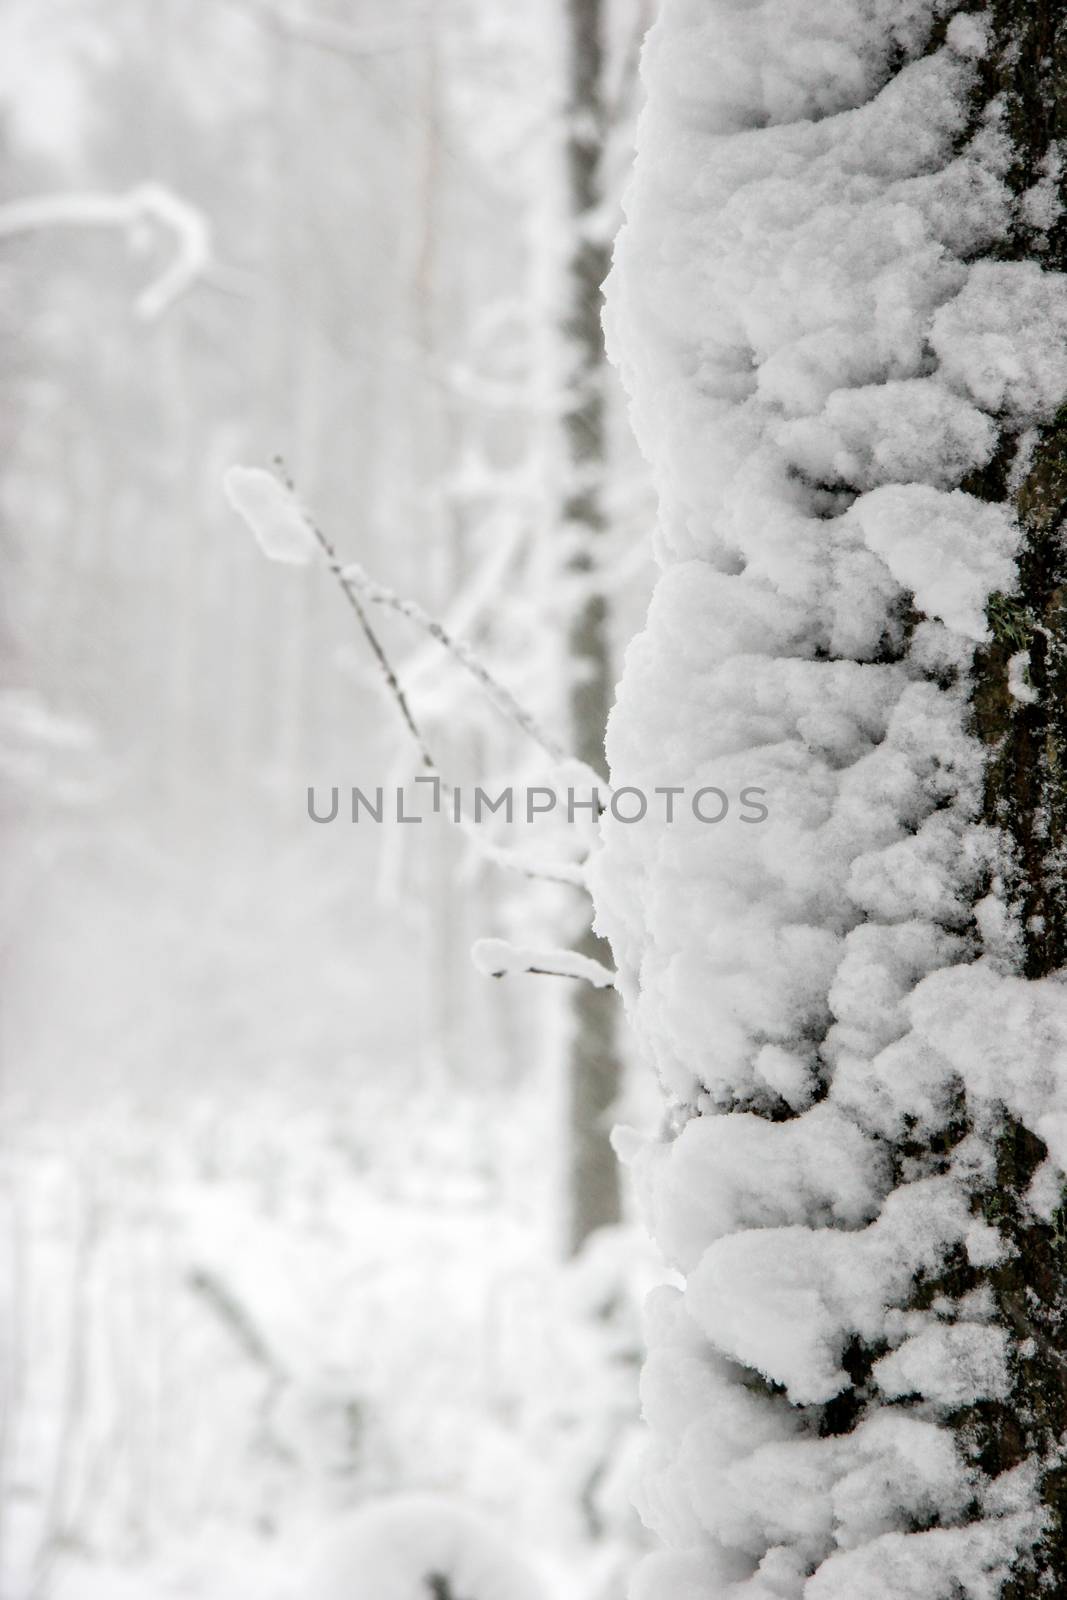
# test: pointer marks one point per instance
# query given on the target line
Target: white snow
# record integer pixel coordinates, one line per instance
(497, 958)
(352, 1292)
(1006, 1039)
(954, 1365)
(1002, 341)
(785, 1300)
(817, 357)
(273, 514)
(950, 551)
(393, 1550)
(1019, 686)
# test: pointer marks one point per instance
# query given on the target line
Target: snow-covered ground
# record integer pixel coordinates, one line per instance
(231, 1331)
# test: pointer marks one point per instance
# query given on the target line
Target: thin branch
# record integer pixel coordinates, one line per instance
(568, 872)
(565, 872)
(231, 1313)
(378, 594)
(351, 594)
(235, 1318)
(496, 958)
(468, 607)
(147, 202)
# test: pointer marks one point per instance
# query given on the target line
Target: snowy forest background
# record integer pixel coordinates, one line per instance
(287, 1208)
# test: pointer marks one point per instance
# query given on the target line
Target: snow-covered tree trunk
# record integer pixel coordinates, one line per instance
(840, 310)
(593, 1066)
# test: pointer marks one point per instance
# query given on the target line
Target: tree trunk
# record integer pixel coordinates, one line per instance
(1026, 796)
(901, 1023)
(592, 1081)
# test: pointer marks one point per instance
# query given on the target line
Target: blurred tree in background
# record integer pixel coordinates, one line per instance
(226, 1032)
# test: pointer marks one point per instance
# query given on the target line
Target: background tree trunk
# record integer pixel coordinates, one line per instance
(593, 1071)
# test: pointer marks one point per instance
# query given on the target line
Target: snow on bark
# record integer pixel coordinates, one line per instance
(817, 360)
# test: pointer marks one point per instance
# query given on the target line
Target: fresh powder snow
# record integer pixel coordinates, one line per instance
(815, 361)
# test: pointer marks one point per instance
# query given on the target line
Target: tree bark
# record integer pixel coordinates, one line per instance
(592, 1081)
(1026, 796)
(739, 166)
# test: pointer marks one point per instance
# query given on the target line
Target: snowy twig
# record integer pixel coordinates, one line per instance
(569, 872)
(496, 958)
(377, 594)
(351, 594)
(286, 532)
(467, 608)
(147, 201)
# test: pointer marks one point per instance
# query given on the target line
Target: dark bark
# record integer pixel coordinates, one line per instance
(593, 1065)
(439, 1588)
(1026, 792)
(1026, 797)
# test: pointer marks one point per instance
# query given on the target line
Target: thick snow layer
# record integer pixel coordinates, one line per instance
(1005, 1039)
(939, 1565)
(817, 356)
(948, 550)
(1002, 341)
(786, 1300)
(955, 1365)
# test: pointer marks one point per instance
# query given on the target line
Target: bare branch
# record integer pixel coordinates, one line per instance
(147, 202)
(563, 872)
(505, 702)
(351, 594)
(568, 872)
(237, 1320)
(472, 603)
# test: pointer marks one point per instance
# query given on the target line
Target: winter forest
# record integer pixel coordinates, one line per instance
(533, 1055)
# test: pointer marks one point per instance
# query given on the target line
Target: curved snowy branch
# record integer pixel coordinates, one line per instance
(496, 958)
(286, 532)
(571, 873)
(147, 202)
